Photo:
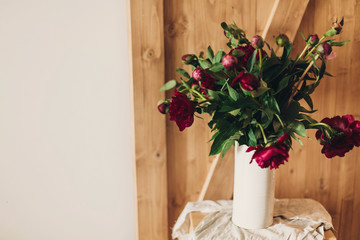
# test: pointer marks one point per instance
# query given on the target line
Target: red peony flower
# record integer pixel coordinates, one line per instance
(272, 156)
(198, 74)
(208, 82)
(181, 110)
(248, 81)
(341, 144)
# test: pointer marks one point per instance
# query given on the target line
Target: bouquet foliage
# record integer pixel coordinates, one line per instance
(253, 96)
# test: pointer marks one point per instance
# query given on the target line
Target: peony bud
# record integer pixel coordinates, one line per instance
(187, 58)
(281, 40)
(337, 27)
(313, 40)
(324, 49)
(257, 41)
(163, 108)
(198, 74)
(229, 61)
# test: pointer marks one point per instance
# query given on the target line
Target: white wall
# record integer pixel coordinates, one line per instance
(65, 158)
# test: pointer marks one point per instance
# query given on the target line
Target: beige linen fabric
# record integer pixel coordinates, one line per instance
(293, 219)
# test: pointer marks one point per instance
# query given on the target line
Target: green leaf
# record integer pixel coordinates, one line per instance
(210, 53)
(287, 51)
(229, 143)
(302, 35)
(204, 63)
(217, 67)
(233, 93)
(330, 33)
(169, 85)
(283, 84)
(252, 61)
(219, 55)
(260, 91)
(296, 138)
(252, 138)
(182, 72)
(298, 128)
(309, 101)
(339, 44)
(237, 53)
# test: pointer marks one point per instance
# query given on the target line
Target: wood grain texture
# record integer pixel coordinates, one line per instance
(150, 129)
(285, 16)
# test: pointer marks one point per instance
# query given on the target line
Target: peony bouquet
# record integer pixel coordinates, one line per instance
(253, 95)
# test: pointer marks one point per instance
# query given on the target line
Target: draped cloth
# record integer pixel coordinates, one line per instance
(293, 219)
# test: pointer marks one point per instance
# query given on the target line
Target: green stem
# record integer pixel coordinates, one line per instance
(263, 133)
(312, 49)
(260, 60)
(322, 125)
(302, 53)
(199, 94)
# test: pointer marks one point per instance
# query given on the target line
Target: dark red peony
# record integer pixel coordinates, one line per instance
(198, 74)
(248, 51)
(248, 81)
(208, 82)
(272, 156)
(181, 111)
(342, 143)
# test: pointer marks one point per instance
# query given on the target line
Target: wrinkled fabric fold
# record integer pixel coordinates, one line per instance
(293, 219)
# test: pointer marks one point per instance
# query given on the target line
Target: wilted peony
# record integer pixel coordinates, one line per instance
(342, 143)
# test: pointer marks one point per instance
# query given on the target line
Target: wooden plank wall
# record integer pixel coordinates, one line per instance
(148, 75)
(189, 27)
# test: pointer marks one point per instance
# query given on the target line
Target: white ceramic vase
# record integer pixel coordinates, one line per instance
(254, 190)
